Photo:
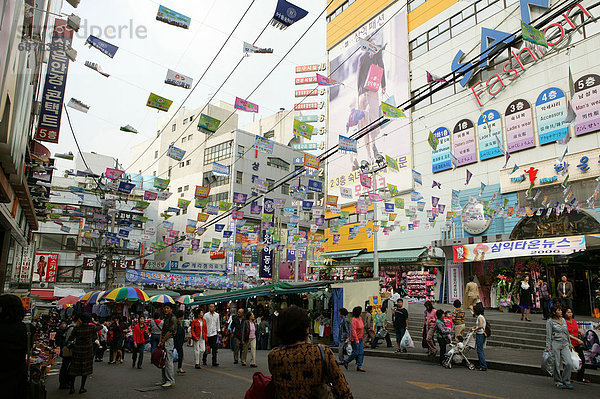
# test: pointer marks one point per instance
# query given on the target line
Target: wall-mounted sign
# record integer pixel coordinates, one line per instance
(311, 68)
(441, 157)
(551, 110)
(465, 149)
(586, 103)
(489, 129)
(306, 80)
(308, 92)
(306, 106)
(518, 122)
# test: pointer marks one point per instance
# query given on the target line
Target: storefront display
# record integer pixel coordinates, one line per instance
(420, 286)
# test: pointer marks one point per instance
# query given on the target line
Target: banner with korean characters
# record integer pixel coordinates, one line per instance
(489, 129)
(178, 279)
(518, 123)
(520, 248)
(586, 103)
(441, 157)
(551, 111)
(465, 148)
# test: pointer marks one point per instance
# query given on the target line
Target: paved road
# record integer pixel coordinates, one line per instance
(385, 378)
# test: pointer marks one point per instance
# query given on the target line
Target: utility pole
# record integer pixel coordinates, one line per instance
(375, 231)
(110, 271)
(297, 252)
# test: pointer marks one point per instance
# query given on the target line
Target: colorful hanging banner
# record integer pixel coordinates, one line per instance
(326, 81)
(239, 198)
(162, 184)
(171, 17)
(202, 192)
(158, 102)
(245, 105)
(104, 47)
(391, 111)
(220, 170)
(208, 123)
(533, 35)
(286, 14)
(303, 129)
(331, 200)
(113, 174)
(178, 79)
(347, 144)
(263, 145)
(252, 49)
(175, 153)
(311, 161)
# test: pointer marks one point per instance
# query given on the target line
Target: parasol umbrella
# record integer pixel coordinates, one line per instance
(197, 294)
(92, 297)
(125, 294)
(68, 301)
(185, 299)
(162, 299)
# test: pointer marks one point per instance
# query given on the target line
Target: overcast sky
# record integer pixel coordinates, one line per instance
(141, 64)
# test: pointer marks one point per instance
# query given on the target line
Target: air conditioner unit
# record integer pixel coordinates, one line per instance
(43, 285)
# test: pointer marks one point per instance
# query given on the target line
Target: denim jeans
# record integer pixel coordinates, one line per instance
(358, 352)
(480, 340)
(154, 340)
(139, 351)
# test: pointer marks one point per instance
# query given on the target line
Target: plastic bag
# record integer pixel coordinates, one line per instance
(407, 341)
(175, 355)
(548, 362)
(575, 361)
(348, 348)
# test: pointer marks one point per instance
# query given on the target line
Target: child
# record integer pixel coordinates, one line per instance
(458, 317)
(455, 351)
(448, 320)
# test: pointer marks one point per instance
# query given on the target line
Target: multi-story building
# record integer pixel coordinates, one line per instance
(502, 169)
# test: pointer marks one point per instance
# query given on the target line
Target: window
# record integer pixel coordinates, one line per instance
(188, 162)
(278, 163)
(185, 121)
(218, 152)
(155, 154)
(241, 151)
(50, 242)
(190, 137)
(269, 135)
(181, 164)
(210, 180)
(310, 196)
(174, 127)
(271, 183)
(179, 189)
(285, 189)
(186, 188)
(184, 211)
(183, 139)
(239, 177)
(216, 198)
(154, 173)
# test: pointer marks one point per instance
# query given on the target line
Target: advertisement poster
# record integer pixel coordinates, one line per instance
(455, 282)
(178, 79)
(586, 103)
(551, 111)
(45, 267)
(518, 122)
(368, 80)
(267, 258)
(208, 123)
(465, 148)
(489, 128)
(178, 279)
(441, 157)
(158, 102)
(171, 17)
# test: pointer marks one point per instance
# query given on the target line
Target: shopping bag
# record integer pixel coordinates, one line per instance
(407, 341)
(548, 362)
(262, 387)
(175, 355)
(373, 82)
(424, 340)
(159, 358)
(381, 334)
(348, 348)
(576, 363)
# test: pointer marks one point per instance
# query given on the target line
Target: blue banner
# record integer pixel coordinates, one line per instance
(173, 17)
(178, 279)
(125, 187)
(315, 185)
(286, 14)
(104, 47)
(307, 205)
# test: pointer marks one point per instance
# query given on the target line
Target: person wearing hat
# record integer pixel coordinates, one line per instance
(169, 330)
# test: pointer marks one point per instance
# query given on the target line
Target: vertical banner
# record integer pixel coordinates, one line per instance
(586, 103)
(489, 127)
(551, 111)
(518, 122)
(16, 264)
(45, 267)
(266, 264)
(455, 282)
(463, 137)
(27, 264)
(56, 80)
(440, 158)
(231, 253)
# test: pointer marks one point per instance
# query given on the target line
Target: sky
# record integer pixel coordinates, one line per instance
(148, 48)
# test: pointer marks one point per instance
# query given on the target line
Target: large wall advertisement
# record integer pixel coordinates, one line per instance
(368, 79)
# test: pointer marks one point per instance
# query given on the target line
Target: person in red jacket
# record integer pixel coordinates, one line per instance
(199, 332)
(140, 336)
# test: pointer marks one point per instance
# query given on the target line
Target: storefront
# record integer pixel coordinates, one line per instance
(339, 265)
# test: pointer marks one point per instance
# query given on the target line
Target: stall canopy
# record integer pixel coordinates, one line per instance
(401, 255)
(263, 290)
(162, 292)
(342, 254)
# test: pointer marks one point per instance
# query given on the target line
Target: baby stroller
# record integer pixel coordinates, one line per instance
(458, 352)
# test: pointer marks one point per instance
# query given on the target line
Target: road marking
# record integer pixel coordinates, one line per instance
(429, 386)
(239, 377)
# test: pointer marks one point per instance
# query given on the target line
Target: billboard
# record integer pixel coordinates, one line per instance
(45, 267)
(368, 79)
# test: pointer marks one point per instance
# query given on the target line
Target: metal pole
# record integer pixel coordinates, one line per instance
(375, 231)
(110, 266)
(297, 253)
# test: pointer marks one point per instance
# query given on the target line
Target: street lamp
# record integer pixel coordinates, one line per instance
(367, 169)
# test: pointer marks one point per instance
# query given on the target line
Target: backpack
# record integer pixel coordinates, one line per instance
(487, 330)
(262, 387)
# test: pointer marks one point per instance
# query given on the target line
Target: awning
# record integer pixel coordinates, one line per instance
(400, 255)
(263, 290)
(44, 294)
(61, 292)
(342, 254)
(172, 294)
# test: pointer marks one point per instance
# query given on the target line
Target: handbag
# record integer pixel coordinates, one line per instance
(381, 334)
(159, 358)
(262, 387)
(576, 363)
(322, 390)
(373, 82)
(349, 348)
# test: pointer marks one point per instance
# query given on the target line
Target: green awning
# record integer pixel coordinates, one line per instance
(263, 290)
(401, 255)
(172, 294)
(342, 254)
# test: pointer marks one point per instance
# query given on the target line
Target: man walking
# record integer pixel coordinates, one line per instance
(565, 292)
(213, 325)
(367, 317)
(400, 320)
(471, 294)
(199, 335)
(236, 332)
(344, 334)
(167, 335)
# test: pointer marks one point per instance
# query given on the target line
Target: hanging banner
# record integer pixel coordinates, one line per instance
(326, 81)
(179, 279)
(519, 248)
(208, 123)
(220, 170)
(54, 86)
(175, 153)
(113, 174)
(366, 45)
(239, 198)
(104, 47)
(45, 267)
(173, 18)
(286, 14)
(245, 105)
(263, 145)
(551, 111)
(125, 187)
(465, 148)
(440, 157)
(162, 184)
(78, 105)
(267, 256)
(586, 103)
(252, 49)
(202, 192)
(178, 79)
(347, 144)
(158, 102)
(303, 129)
(311, 161)
(315, 185)
(518, 123)
(489, 128)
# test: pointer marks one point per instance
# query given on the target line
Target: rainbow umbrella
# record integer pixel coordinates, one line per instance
(197, 294)
(92, 297)
(126, 294)
(185, 299)
(162, 299)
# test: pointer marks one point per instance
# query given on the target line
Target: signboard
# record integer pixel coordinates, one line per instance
(220, 170)
(89, 263)
(173, 17)
(306, 80)
(551, 111)
(54, 87)
(178, 79)
(465, 149)
(311, 68)
(307, 118)
(208, 123)
(45, 267)
(518, 122)
(586, 103)
(178, 279)
(193, 267)
(267, 255)
(305, 146)
(455, 282)
(308, 93)
(440, 158)
(520, 248)
(489, 128)
(303, 106)
(158, 102)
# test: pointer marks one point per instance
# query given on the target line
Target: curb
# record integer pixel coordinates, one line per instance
(492, 364)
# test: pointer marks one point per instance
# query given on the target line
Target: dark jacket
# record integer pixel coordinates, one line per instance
(345, 326)
(236, 326)
(568, 289)
(13, 368)
(179, 336)
(245, 330)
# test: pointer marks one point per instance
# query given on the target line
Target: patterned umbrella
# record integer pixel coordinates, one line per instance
(126, 294)
(68, 301)
(198, 294)
(185, 299)
(162, 299)
(92, 297)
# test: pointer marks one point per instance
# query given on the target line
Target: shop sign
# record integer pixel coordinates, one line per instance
(311, 68)
(519, 248)
(45, 267)
(455, 282)
(188, 267)
(217, 254)
(586, 103)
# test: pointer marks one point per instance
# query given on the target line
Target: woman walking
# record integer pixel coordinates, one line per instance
(249, 329)
(83, 350)
(557, 341)
(357, 335)
(117, 337)
(199, 332)
(155, 329)
(179, 341)
(14, 346)
(140, 336)
(576, 342)
(429, 327)
(480, 336)
(442, 333)
(525, 298)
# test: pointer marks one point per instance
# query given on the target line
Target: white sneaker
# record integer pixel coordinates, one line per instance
(167, 385)
(158, 384)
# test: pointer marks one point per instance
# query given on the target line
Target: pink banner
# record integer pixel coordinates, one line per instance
(244, 105)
